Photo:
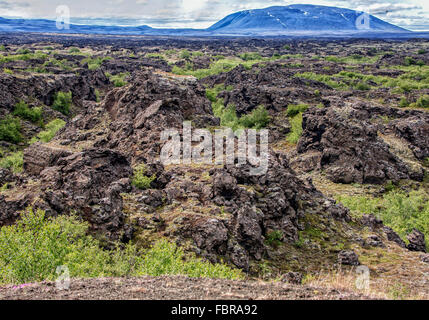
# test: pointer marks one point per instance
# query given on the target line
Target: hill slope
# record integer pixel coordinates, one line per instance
(299, 18)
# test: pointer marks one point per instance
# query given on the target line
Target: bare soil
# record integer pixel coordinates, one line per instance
(172, 288)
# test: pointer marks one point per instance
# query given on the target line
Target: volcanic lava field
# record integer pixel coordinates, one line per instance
(346, 187)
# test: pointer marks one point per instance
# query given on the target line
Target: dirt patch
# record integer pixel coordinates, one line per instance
(172, 288)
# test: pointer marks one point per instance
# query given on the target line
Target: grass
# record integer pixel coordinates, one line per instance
(50, 131)
(63, 102)
(13, 162)
(221, 65)
(95, 63)
(23, 57)
(118, 80)
(33, 248)
(399, 210)
(258, 119)
(293, 110)
(23, 111)
(140, 179)
(296, 129)
(10, 129)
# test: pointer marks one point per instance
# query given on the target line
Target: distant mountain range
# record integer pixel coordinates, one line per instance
(292, 20)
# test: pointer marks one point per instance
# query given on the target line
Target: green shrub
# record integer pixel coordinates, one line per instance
(293, 110)
(119, 79)
(23, 51)
(10, 129)
(95, 63)
(423, 102)
(362, 86)
(2, 48)
(296, 130)
(399, 210)
(185, 54)
(250, 56)
(259, 118)
(140, 180)
(7, 71)
(403, 103)
(50, 131)
(166, 258)
(74, 50)
(63, 102)
(197, 54)
(273, 238)
(22, 110)
(33, 248)
(13, 162)
(421, 51)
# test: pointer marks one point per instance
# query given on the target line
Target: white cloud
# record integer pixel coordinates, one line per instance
(202, 13)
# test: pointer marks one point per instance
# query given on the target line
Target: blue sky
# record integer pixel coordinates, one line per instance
(411, 14)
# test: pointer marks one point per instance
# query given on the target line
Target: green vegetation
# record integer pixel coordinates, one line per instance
(2, 48)
(50, 131)
(23, 57)
(154, 55)
(32, 249)
(250, 56)
(221, 65)
(118, 80)
(140, 179)
(185, 54)
(423, 102)
(95, 63)
(7, 71)
(74, 50)
(258, 119)
(404, 103)
(13, 162)
(10, 129)
(32, 114)
(296, 130)
(354, 59)
(399, 210)
(63, 102)
(274, 238)
(293, 110)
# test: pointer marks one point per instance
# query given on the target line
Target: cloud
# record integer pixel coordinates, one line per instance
(202, 13)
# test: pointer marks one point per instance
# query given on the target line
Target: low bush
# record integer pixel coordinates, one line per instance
(50, 131)
(259, 118)
(185, 54)
(13, 162)
(294, 109)
(33, 248)
(140, 179)
(399, 210)
(250, 56)
(423, 102)
(118, 80)
(63, 102)
(296, 129)
(10, 129)
(22, 110)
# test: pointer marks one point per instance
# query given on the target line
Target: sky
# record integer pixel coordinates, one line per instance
(410, 14)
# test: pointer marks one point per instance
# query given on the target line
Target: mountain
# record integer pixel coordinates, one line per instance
(299, 18)
(292, 20)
